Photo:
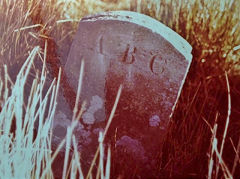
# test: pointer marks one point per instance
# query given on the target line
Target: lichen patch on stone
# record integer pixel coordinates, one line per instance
(132, 146)
(154, 121)
(96, 103)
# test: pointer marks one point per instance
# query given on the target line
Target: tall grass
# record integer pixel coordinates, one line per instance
(19, 148)
(26, 129)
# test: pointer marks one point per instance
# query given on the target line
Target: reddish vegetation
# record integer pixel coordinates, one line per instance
(175, 161)
(52, 58)
(212, 35)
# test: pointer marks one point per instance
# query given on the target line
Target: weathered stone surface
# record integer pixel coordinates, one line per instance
(149, 60)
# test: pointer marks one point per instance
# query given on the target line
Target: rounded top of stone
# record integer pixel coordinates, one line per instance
(148, 22)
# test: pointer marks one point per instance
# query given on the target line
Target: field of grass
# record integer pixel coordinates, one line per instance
(203, 139)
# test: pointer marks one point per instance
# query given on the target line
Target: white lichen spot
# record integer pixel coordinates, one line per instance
(61, 119)
(97, 130)
(88, 117)
(96, 103)
(86, 139)
(154, 121)
(60, 115)
(132, 146)
(60, 125)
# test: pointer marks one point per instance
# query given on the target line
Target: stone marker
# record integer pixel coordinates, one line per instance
(150, 61)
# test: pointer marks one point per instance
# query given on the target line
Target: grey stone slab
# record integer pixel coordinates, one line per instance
(151, 62)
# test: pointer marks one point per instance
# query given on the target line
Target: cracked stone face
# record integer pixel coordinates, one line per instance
(149, 60)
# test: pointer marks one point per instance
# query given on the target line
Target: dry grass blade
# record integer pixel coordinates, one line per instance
(106, 129)
(77, 158)
(227, 122)
(28, 27)
(237, 157)
(228, 114)
(75, 110)
(213, 147)
(67, 149)
(226, 171)
(19, 146)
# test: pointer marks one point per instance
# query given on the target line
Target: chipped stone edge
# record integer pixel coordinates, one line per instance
(180, 90)
(148, 22)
